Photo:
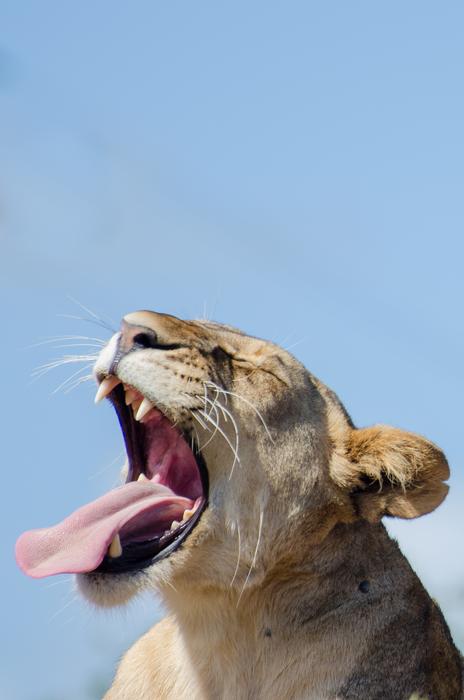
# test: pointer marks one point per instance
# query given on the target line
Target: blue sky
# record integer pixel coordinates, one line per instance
(294, 169)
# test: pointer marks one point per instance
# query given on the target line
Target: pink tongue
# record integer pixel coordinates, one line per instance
(79, 543)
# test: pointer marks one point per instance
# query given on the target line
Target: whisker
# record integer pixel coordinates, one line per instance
(213, 434)
(238, 557)
(107, 466)
(63, 608)
(194, 414)
(65, 360)
(77, 345)
(60, 582)
(91, 313)
(216, 425)
(246, 401)
(170, 584)
(102, 324)
(207, 416)
(200, 446)
(197, 438)
(78, 382)
(293, 345)
(226, 438)
(253, 562)
(225, 413)
(66, 381)
(62, 338)
(216, 398)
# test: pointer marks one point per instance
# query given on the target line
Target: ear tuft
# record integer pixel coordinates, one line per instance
(392, 472)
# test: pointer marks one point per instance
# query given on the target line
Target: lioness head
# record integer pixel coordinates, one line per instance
(238, 461)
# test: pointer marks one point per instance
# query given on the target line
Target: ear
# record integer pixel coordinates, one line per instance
(391, 472)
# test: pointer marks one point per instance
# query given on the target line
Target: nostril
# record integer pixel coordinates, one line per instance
(145, 340)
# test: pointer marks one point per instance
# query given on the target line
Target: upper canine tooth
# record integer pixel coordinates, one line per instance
(115, 549)
(143, 409)
(106, 387)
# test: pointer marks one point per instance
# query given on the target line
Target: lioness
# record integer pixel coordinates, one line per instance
(254, 505)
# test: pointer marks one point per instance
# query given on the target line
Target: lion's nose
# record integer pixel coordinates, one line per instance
(132, 336)
(146, 329)
(135, 337)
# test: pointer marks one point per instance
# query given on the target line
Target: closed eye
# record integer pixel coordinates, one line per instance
(149, 339)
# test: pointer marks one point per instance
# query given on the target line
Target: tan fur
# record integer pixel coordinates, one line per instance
(289, 586)
(401, 472)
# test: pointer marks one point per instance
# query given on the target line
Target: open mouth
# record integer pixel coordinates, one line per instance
(138, 523)
(167, 464)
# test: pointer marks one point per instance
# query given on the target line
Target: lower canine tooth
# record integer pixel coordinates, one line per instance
(187, 514)
(115, 549)
(174, 525)
(142, 477)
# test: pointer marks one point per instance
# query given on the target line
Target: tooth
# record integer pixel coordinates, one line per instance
(142, 477)
(115, 549)
(106, 387)
(187, 514)
(135, 406)
(174, 525)
(130, 396)
(143, 409)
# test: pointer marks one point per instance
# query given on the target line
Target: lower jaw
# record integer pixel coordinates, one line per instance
(139, 556)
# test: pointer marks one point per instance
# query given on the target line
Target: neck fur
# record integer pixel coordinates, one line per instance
(296, 612)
